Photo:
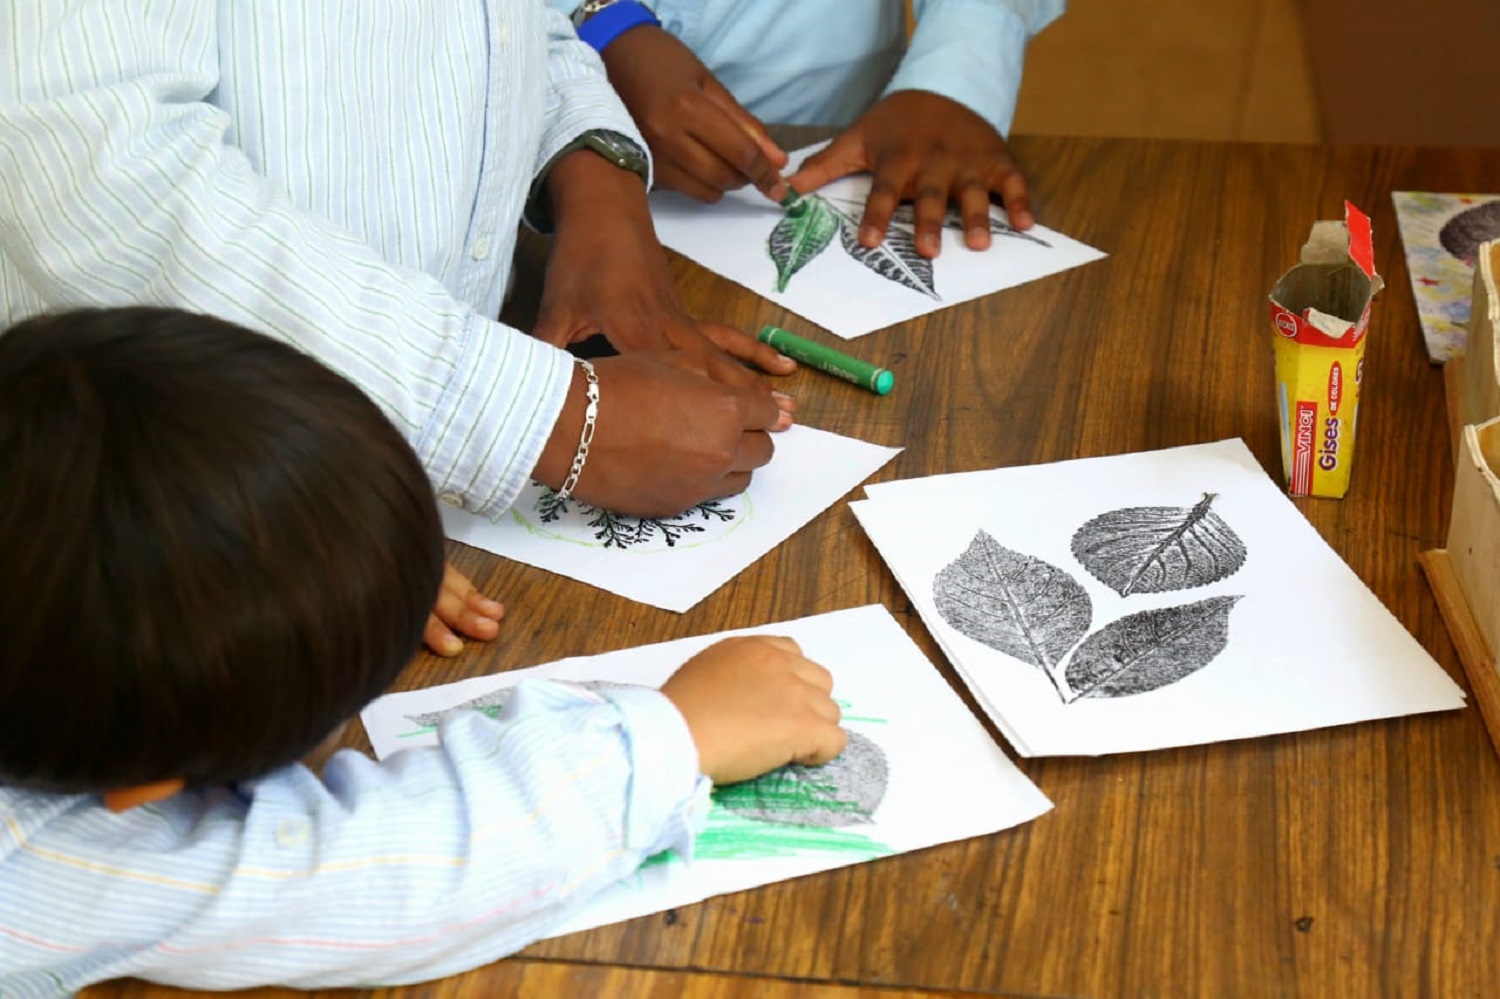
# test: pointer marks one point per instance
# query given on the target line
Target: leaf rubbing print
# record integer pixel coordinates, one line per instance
(896, 259)
(842, 792)
(803, 233)
(1014, 603)
(1153, 549)
(1150, 649)
(907, 215)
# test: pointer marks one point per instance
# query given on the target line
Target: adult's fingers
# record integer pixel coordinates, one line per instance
(741, 345)
(755, 450)
(727, 371)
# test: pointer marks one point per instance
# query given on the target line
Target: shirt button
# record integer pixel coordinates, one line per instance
(291, 832)
(481, 247)
(452, 499)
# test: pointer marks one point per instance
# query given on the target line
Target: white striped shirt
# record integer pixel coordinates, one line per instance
(347, 175)
(430, 863)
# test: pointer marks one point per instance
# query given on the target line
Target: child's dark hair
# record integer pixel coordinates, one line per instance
(213, 550)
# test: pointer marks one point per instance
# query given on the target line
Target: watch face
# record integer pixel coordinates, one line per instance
(620, 149)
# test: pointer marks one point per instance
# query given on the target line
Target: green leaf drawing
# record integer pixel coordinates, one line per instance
(896, 259)
(1014, 603)
(803, 233)
(1150, 649)
(1153, 549)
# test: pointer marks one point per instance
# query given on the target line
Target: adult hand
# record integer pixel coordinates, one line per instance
(755, 703)
(928, 149)
(667, 436)
(702, 141)
(461, 608)
(608, 274)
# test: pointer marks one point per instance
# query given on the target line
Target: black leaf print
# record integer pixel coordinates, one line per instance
(896, 259)
(1154, 549)
(803, 233)
(906, 215)
(1150, 649)
(843, 792)
(617, 530)
(1014, 603)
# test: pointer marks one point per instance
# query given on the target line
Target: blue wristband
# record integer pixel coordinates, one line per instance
(613, 21)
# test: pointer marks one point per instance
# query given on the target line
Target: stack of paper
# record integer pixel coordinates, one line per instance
(1142, 601)
(919, 769)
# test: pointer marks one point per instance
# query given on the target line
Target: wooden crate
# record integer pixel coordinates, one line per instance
(1465, 577)
(1481, 368)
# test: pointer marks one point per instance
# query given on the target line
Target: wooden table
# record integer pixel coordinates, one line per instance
(1361, 860)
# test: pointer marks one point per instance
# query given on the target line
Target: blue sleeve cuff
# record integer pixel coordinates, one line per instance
(613, 21)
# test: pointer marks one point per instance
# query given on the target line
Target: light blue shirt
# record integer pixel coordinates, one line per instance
(823, 62)
(347, 175)
(430, 863)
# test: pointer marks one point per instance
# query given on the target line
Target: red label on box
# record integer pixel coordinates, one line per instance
(1303, 425)
(1335, 387)
(1297, 328)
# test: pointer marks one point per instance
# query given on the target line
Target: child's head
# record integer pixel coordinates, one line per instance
(213, 550)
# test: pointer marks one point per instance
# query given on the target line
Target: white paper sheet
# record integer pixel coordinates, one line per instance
(1307, 644)
(945, 778)
(834, 290)
(675, 562)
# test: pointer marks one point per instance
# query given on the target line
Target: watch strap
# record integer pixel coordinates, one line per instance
(620, 149)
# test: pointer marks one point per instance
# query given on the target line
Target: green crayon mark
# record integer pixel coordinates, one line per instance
(732, 837)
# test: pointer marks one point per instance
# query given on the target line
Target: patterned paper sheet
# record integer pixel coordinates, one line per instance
(1441, 233)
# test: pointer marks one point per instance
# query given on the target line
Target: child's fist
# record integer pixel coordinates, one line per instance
(753, 704)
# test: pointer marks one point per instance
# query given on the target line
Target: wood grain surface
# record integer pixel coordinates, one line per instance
(1359, 861)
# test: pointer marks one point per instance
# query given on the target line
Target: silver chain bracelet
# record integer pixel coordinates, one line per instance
(590, 416)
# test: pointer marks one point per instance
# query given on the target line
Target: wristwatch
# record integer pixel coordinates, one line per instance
(588, 9)
(621, 150)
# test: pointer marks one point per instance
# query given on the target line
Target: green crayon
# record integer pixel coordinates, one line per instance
(836, 363)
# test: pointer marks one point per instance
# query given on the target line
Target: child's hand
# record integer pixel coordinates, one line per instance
(754, 704)
(460, 607)
(702, 141)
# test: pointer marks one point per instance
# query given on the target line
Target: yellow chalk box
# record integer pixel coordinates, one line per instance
(1320, 312)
